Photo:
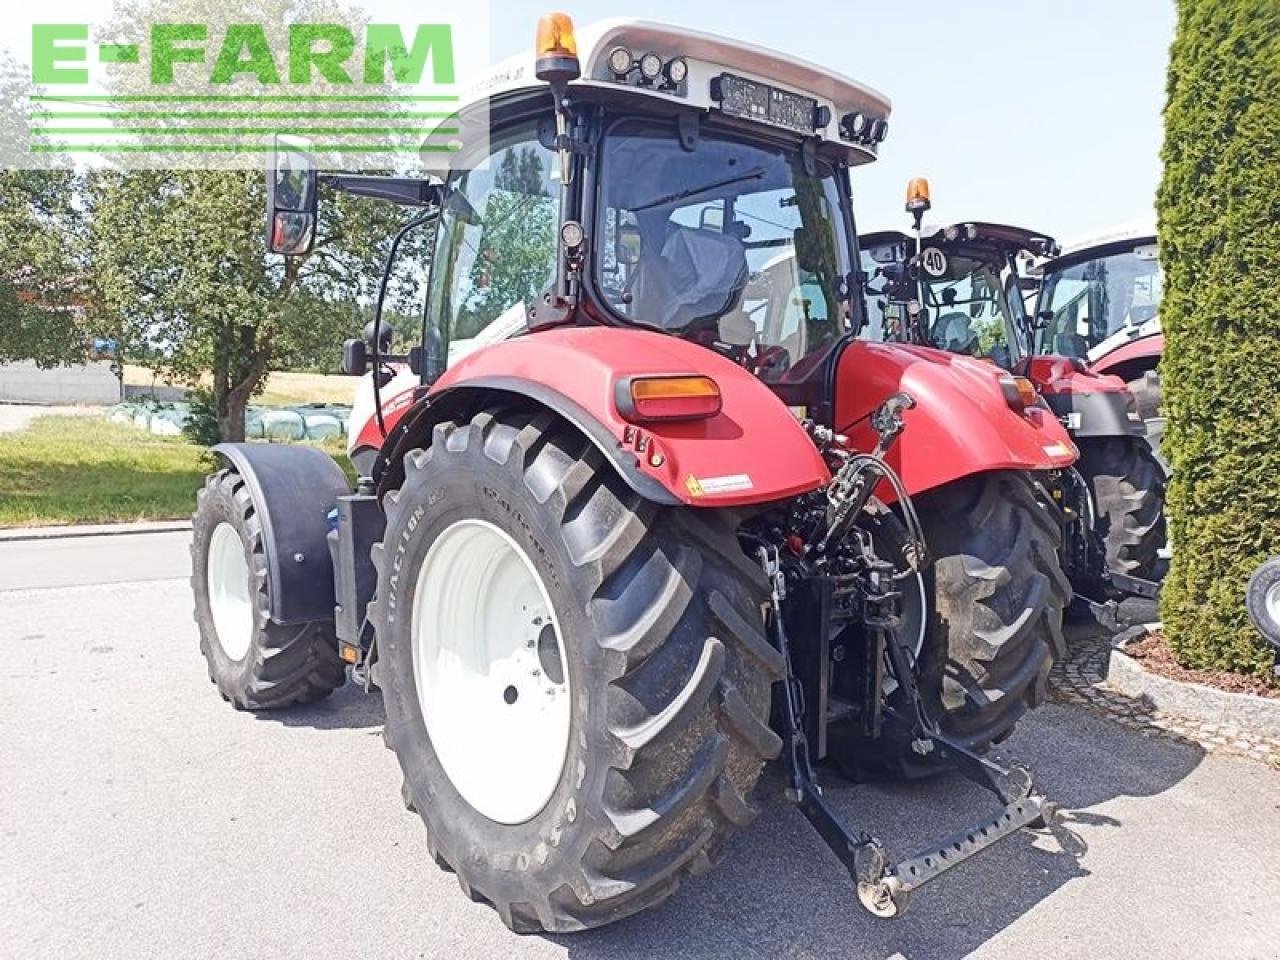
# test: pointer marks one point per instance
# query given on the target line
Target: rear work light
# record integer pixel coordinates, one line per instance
(1019, 392)
(667, 398)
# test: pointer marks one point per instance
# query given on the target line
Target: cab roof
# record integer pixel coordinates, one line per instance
(708, 56)
(1005, 236)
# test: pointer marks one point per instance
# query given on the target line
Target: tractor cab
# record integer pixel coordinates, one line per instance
(1099, 297)
(956, 289)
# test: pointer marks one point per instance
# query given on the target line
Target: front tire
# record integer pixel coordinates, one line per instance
(665, 666)
(255, 663)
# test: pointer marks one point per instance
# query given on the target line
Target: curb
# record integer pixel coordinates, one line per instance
(1195, 700)
(21, 534)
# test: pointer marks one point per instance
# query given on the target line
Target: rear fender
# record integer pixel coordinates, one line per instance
(961, 424)
(1133, 359)
(1092, 404)
(292, 489)
(753, 451)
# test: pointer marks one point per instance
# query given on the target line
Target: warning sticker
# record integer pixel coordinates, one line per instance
(731, 483)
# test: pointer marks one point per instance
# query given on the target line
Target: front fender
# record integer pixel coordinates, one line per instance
(293, 488)
(753, 451)
(961, 424)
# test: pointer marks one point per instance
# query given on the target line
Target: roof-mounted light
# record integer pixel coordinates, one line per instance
(918, 199)
(556, 49)
(651, 66)
(677, 71)
(621, 61)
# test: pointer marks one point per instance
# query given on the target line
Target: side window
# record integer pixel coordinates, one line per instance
(496, 244)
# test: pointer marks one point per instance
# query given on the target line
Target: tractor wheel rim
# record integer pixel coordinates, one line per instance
(1272, 603)
(230, 601)
(491, 673)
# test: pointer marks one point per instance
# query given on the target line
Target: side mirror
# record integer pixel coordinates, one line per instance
(355, 358)
(291, 197)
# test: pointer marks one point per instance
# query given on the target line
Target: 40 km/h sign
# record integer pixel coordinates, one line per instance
(933, 261)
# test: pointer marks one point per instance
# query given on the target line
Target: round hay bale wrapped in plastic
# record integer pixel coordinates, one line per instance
(283, 425)
(322, 426)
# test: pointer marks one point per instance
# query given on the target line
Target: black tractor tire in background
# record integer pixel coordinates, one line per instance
(670, 671)
(1127, 487)
(996, 605)
(1146, 389)
(285, 665)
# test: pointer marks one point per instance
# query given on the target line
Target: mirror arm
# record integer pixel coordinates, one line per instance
(406, 191)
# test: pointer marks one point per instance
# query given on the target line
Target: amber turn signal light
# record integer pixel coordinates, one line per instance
(668, 398)
(1019, 392)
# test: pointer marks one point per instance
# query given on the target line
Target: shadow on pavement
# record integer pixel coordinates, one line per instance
(780, 892)
(347, 708)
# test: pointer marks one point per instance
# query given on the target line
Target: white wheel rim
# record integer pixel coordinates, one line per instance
(1272, 603)
(229, 600)
(493, 686)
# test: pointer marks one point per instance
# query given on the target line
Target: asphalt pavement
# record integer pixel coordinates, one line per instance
(140, 816)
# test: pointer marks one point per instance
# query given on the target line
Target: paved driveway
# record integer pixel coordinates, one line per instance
(141, 817)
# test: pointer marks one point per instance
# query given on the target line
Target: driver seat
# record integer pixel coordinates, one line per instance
(698, 275)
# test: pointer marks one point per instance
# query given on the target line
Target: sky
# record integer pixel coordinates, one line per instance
(1043, 114)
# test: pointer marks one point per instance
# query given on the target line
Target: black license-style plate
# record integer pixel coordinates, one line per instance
(740, 97)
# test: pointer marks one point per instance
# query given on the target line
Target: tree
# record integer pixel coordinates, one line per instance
(180, 257)
(42, 271)
(1220, 247)
(180, 254)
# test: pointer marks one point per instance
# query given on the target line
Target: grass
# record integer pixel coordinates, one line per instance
(86, 470)
(282, 389)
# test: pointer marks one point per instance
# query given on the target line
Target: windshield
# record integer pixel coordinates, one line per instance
(729, 243)
(963, 306)
(1095, 300)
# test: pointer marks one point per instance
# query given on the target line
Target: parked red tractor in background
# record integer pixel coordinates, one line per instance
(1099, 303)
(643, 487)
(959, 289)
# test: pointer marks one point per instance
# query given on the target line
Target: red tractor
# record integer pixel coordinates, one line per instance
(959, 289)
(643, 514)
(1099, 303)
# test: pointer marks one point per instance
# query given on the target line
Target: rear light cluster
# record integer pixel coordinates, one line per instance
(649, 70)
(646, 399)
(1019, 392)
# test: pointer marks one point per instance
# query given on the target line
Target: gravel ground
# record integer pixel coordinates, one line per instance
(141, 817)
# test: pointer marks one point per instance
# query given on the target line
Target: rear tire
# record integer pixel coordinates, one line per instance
(1147, 391)
(1127, 486)
(658, 614)
(255, 663)
(996, 605)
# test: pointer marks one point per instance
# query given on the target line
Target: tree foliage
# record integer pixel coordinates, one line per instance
(1220, 247)
(42, 271)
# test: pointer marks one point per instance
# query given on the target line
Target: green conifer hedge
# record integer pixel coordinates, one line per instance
(1219, 223)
